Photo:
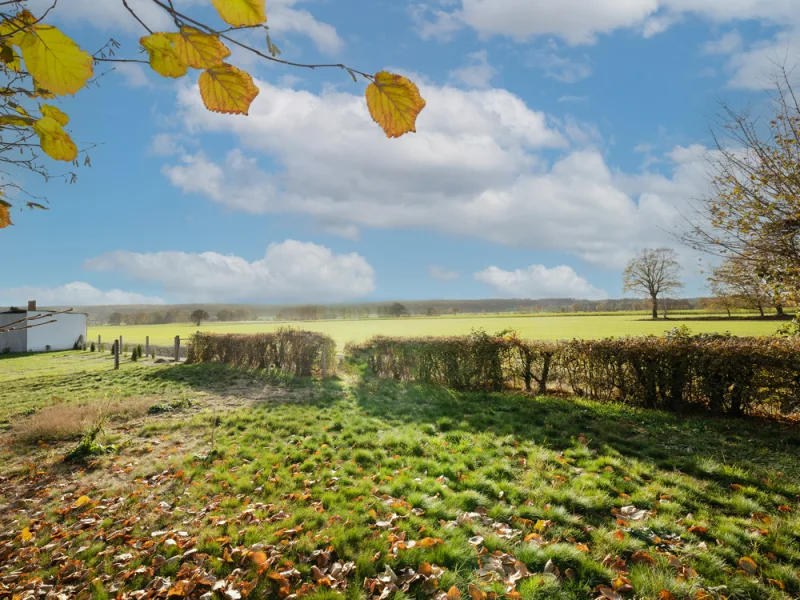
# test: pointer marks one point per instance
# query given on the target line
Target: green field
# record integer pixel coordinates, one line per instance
(273, 487)
(532, 327)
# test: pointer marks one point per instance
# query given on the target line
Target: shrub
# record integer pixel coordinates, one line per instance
(92, 348)
(139, 351)
(721, 374)
(298, 352)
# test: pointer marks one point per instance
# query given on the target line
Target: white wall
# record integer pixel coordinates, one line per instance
(60, 335)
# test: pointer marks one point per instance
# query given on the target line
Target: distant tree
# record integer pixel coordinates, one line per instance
(199, 316)
(653, 272)
(736, 280)
(398, 310)
(225, 314)
(115, 318)
(431, 311)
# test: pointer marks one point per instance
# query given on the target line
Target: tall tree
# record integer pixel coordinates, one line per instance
(653, 272)
(40, 63)
(753, 211)
(736, 279)
(198, 316)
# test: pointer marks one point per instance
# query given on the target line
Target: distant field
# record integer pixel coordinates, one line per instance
(533, 327)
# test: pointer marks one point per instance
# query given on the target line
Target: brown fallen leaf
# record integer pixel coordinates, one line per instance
(748, 565)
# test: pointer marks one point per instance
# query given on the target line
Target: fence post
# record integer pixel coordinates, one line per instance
(116, 354)
(147, 346)
(98, 342)
(120, 344)
(324, 363)
(177, 348)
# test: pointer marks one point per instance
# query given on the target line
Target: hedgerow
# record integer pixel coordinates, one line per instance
(719, 373)
(297, 352)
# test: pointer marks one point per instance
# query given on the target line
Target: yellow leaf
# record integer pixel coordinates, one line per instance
(55, 142)
(164, 58)
(10, 58)
(54, 60)
(27, 536)
(82, 501)
(12, 29)
(394, 103)
(241, 12)
(59, 116)
(17, 121)
(226, 89)
(197, 49)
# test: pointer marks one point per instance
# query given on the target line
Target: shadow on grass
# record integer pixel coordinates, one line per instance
(698, 446)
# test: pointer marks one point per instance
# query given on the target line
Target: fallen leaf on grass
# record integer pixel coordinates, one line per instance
(748, 565)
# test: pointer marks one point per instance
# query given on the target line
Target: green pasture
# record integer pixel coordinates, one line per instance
(551, 327)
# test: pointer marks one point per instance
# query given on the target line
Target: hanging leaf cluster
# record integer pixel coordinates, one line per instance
(52, 65)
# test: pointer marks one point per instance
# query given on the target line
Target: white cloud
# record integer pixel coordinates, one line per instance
(474, 169)
(558, 67)
(727, 44)
(537, 281)
(291, 270)
(77, 293)
(581, 21)
(477, 73)
(134, 75)
(751, 68)
(573, 99)
(439, 272)
(166, 144)
(283, 17)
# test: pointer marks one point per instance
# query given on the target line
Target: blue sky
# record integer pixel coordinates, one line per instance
(559, 138)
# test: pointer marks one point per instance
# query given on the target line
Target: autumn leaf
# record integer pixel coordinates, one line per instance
(10, 58)
(56, 63)
(241, 12)
(394, 103)
(666, 595)
(16, 121)
(83, 500)
(453, 593)
(5, 221)
(748, 565)
(55, 142)
(226, 89)
(26, 534)
(59, 116)
(197, 49)
(643, 558)
(164, 58)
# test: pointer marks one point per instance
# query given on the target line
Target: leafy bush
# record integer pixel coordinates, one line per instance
(92, 348)
(721, 374)
(298, 352)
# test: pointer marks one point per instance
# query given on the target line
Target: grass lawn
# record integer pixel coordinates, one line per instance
(532, 327)
(252, 483)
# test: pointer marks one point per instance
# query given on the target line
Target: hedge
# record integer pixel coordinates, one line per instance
(721, 374)
(297, 352)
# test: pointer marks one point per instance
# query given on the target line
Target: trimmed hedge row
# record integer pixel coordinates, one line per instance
(722, 374)
(297, 352)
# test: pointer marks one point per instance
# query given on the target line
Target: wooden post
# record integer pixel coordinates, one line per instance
(120, 344)
(177, 348)
(324, 364)
(98, 342)
(116, 354)
(147, 346)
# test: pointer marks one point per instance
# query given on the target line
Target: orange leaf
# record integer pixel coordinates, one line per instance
(5, 218)
(666, 595)
(748, 565)
(643, 558)
(453, 593)
(394, 103)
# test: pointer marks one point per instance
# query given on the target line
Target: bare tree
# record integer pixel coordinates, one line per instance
(753, 211)
(27, 322)
(653, 272)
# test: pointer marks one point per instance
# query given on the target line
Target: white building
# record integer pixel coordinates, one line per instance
(56, 332)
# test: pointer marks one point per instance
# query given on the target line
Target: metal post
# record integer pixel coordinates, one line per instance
(147, 346)
(116, 354)
(177, 348)
(324, 363)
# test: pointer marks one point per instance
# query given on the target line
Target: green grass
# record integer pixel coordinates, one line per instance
(534, 327)
(355, 469)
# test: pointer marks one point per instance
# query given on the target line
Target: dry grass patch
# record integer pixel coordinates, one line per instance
(61, 422)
